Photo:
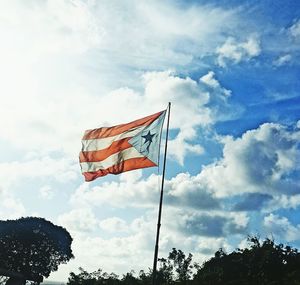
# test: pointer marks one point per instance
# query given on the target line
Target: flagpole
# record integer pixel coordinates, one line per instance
(160, 202)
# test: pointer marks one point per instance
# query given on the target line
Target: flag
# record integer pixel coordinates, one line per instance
(113, 150)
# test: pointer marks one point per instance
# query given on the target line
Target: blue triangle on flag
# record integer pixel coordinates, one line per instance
(147, 141)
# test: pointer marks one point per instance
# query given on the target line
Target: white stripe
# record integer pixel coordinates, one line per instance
(98, 144)
(111, 160)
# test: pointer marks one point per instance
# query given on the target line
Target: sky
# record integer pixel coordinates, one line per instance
(231, 71)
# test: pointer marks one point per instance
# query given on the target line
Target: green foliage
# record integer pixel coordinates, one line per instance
(176, 269)
(95, 278)
(263, 263)
(33, 246)
(177, 263)
(181, 264)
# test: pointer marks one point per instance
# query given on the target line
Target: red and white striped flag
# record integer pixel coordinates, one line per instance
(121, 148)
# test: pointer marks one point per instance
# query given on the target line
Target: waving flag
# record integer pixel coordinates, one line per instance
(121, 148)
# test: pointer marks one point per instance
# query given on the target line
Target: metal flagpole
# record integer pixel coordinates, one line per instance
(160, 202)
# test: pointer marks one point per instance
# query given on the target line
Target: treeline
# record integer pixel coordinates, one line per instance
(263, 263)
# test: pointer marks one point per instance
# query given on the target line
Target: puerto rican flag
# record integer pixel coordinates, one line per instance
(113, 150)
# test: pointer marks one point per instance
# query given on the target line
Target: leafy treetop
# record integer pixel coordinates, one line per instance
(263, 263)
(33, 246)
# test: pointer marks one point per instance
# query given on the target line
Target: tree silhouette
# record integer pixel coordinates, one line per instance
(176, 262)
(33, 247)
(97, 278)
(165, 271)
(181, 264)
(264, 263)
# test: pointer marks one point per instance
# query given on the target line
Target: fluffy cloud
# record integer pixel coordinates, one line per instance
(46, 192)
(252, 202)
(273, 151)
(57, 41)
(210, 80)
(10, 207)
(281, 227)
(114, 225)
(136, 246)
(207, 224)
(219, 104)
(41, 130)
(69, 67)
(284, 202)
(14, 175)
(294, 30)
(61, 170)
(184, 190)
(118, 255)
(233, 51)
(79, 220)
(282, 60)
(196, 213)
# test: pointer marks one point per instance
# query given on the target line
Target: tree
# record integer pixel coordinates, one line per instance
(129, 279)
(165, 271)
(96, 278)
(181, 264)
(177, 262)
(33, 246)
(264, 263)
(145, 278)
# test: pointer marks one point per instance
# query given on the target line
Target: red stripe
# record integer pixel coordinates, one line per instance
(119, 129)
(127, 165)
(99, 155)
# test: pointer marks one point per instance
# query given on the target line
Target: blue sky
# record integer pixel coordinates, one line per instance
(230, 69)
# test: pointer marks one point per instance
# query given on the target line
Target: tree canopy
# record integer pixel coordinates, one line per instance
(175, 269)
(263, 263)
(33, 246)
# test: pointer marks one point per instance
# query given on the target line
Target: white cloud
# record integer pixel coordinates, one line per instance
(281, 227)
(68, 27)
(141, 193)
(114, 254)
(205, 224)
(192, 215)
(61, 170)
(236, 52)
(184, 190)
(210, 80)
(188, 110)
(118, 255)
(46, 192)
(79, 220)
(251, 46)
(57, 41)
(45, 129)
(273, 151)
(135, 250)
(67, 66)
(182, 145)
(284, 202)
(113, 225)
(10, 207)
(282, 60)
(294, 30)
